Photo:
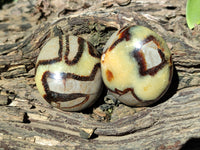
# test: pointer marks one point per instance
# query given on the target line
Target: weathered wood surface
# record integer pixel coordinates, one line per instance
(28, 122)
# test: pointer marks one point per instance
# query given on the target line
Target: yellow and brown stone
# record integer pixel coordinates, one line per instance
(136, 66)
(68, 73)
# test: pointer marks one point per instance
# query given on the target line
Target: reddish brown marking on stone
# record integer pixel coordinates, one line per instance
(115, 43)
(59, 97)
(121, 30)
(155, 40)
(120, 93)
(171, 60)
(78, 54)
(139, 55)
(140, 101)
(68, 108)
(149, 39)
(126, 91)
(123, 34)
(51, 61)
(109, 75)
(54, 96)
(83, 102)
(140, 58)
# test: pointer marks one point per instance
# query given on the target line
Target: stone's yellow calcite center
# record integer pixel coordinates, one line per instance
(120, 64)
(52, 59)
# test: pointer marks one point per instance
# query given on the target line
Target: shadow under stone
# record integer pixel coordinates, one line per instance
(191, 144)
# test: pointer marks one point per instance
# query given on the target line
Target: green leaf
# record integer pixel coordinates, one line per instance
(193, 13)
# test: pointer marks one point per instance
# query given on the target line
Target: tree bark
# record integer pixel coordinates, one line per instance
(27, 121)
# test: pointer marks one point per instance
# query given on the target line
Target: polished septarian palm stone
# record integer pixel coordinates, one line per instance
(68, 74)
(136, 66)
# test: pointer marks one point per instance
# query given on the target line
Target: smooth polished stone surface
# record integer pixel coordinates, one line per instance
(68, 74)
(136, 66)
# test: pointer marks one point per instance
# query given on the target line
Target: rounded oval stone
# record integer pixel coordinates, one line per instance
(136, 66)
(68, 74)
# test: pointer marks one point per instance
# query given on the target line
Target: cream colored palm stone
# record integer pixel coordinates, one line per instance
(136, 66)
(68, 74)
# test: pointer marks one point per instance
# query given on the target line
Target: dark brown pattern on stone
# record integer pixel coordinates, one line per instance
(119, 92)
(155, 40)
(51, 61)
(59, 97)
(140, 58)
(140, 101)
(121, 30)
(123, 34)
(83, 102)
(115, 44)
(78, 54)
(149, 39)
(53, 96)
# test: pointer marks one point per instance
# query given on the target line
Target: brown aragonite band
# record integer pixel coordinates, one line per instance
(55, 96)
(139, 56)
(55, 59)
(78, 54)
